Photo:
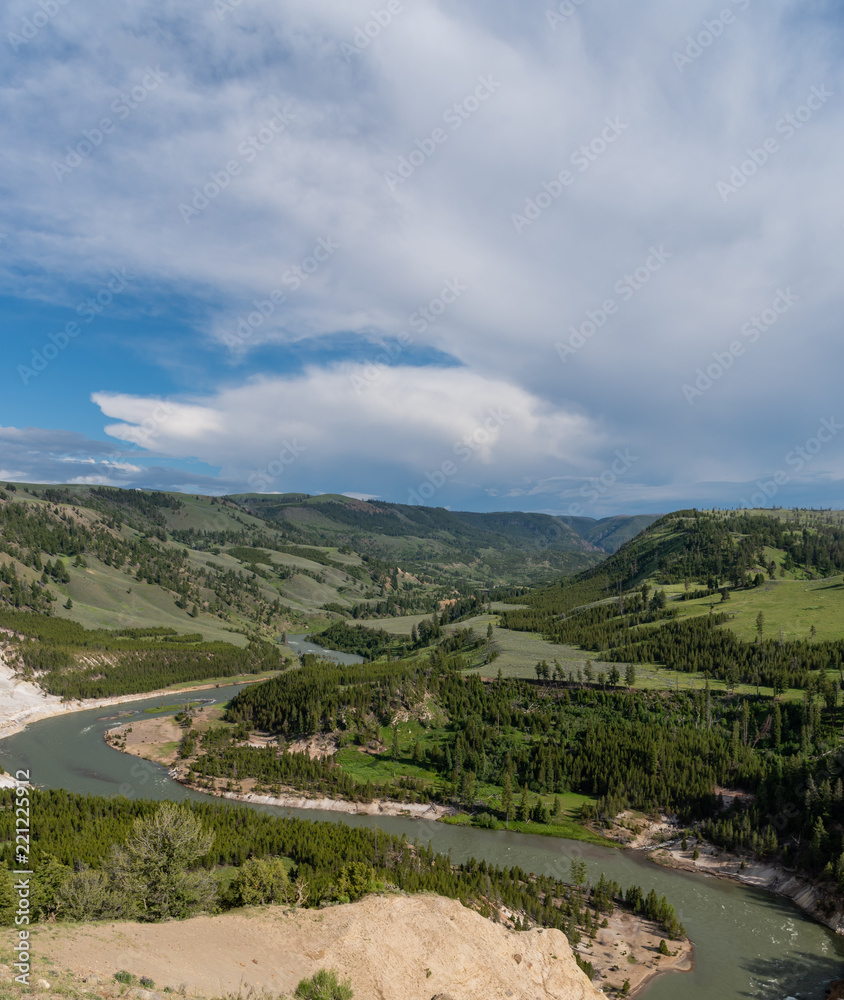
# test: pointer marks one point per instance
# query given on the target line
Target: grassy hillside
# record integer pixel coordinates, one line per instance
(710, 550)
(487, 549)
(753, 597)
(257, 565)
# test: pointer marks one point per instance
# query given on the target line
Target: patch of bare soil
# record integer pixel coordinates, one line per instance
(637, 831)
(396, 947)
(628, 948)
(316, 747)
(154, 739)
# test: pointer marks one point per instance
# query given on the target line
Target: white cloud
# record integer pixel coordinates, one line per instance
(217, 82)
(412, 420)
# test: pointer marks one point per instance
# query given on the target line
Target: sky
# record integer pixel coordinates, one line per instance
(579, 257)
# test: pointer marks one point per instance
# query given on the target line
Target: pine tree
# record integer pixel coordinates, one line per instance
(507, 798)
(524, 808)
(8, 899)
(153, 865)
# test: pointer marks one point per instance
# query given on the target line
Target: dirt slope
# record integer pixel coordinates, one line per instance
(391, 947)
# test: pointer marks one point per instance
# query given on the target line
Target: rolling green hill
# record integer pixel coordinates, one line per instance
(497, 547)
(256, 565)
(750, 596)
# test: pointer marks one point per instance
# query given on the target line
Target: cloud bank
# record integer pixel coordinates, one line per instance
(619, 226)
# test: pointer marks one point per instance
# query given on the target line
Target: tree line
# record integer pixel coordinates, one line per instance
(97, 858)
(75, 662)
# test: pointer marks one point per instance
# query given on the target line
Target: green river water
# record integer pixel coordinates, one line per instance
(747, 943)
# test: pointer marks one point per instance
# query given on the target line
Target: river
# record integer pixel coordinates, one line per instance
(302, 644)
(748, 943)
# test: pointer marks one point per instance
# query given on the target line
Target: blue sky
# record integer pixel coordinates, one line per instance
(570, 257)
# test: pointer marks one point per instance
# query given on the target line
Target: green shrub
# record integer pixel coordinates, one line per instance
(324, 985)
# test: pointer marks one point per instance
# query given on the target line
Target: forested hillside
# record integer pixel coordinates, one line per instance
(710, 549)
(690, 570)
(516, 546)
(258, 565)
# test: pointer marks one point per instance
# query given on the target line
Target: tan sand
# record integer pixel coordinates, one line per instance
(390, 947)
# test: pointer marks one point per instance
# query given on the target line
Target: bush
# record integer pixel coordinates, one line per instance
(92, 894)
(324, 985)
(124, 977)
(259, 881)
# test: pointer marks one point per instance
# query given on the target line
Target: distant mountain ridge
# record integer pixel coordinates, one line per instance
(610, 533)
(258, 564)
(549, 531)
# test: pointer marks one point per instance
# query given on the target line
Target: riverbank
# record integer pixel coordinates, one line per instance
(23, 702)
(819, 902)
(661, 839)
(626, 949)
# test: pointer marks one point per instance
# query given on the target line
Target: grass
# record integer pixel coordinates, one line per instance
(791, 605)
(365, 767)
(566, 829)
(519, 652)
(380, 769)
